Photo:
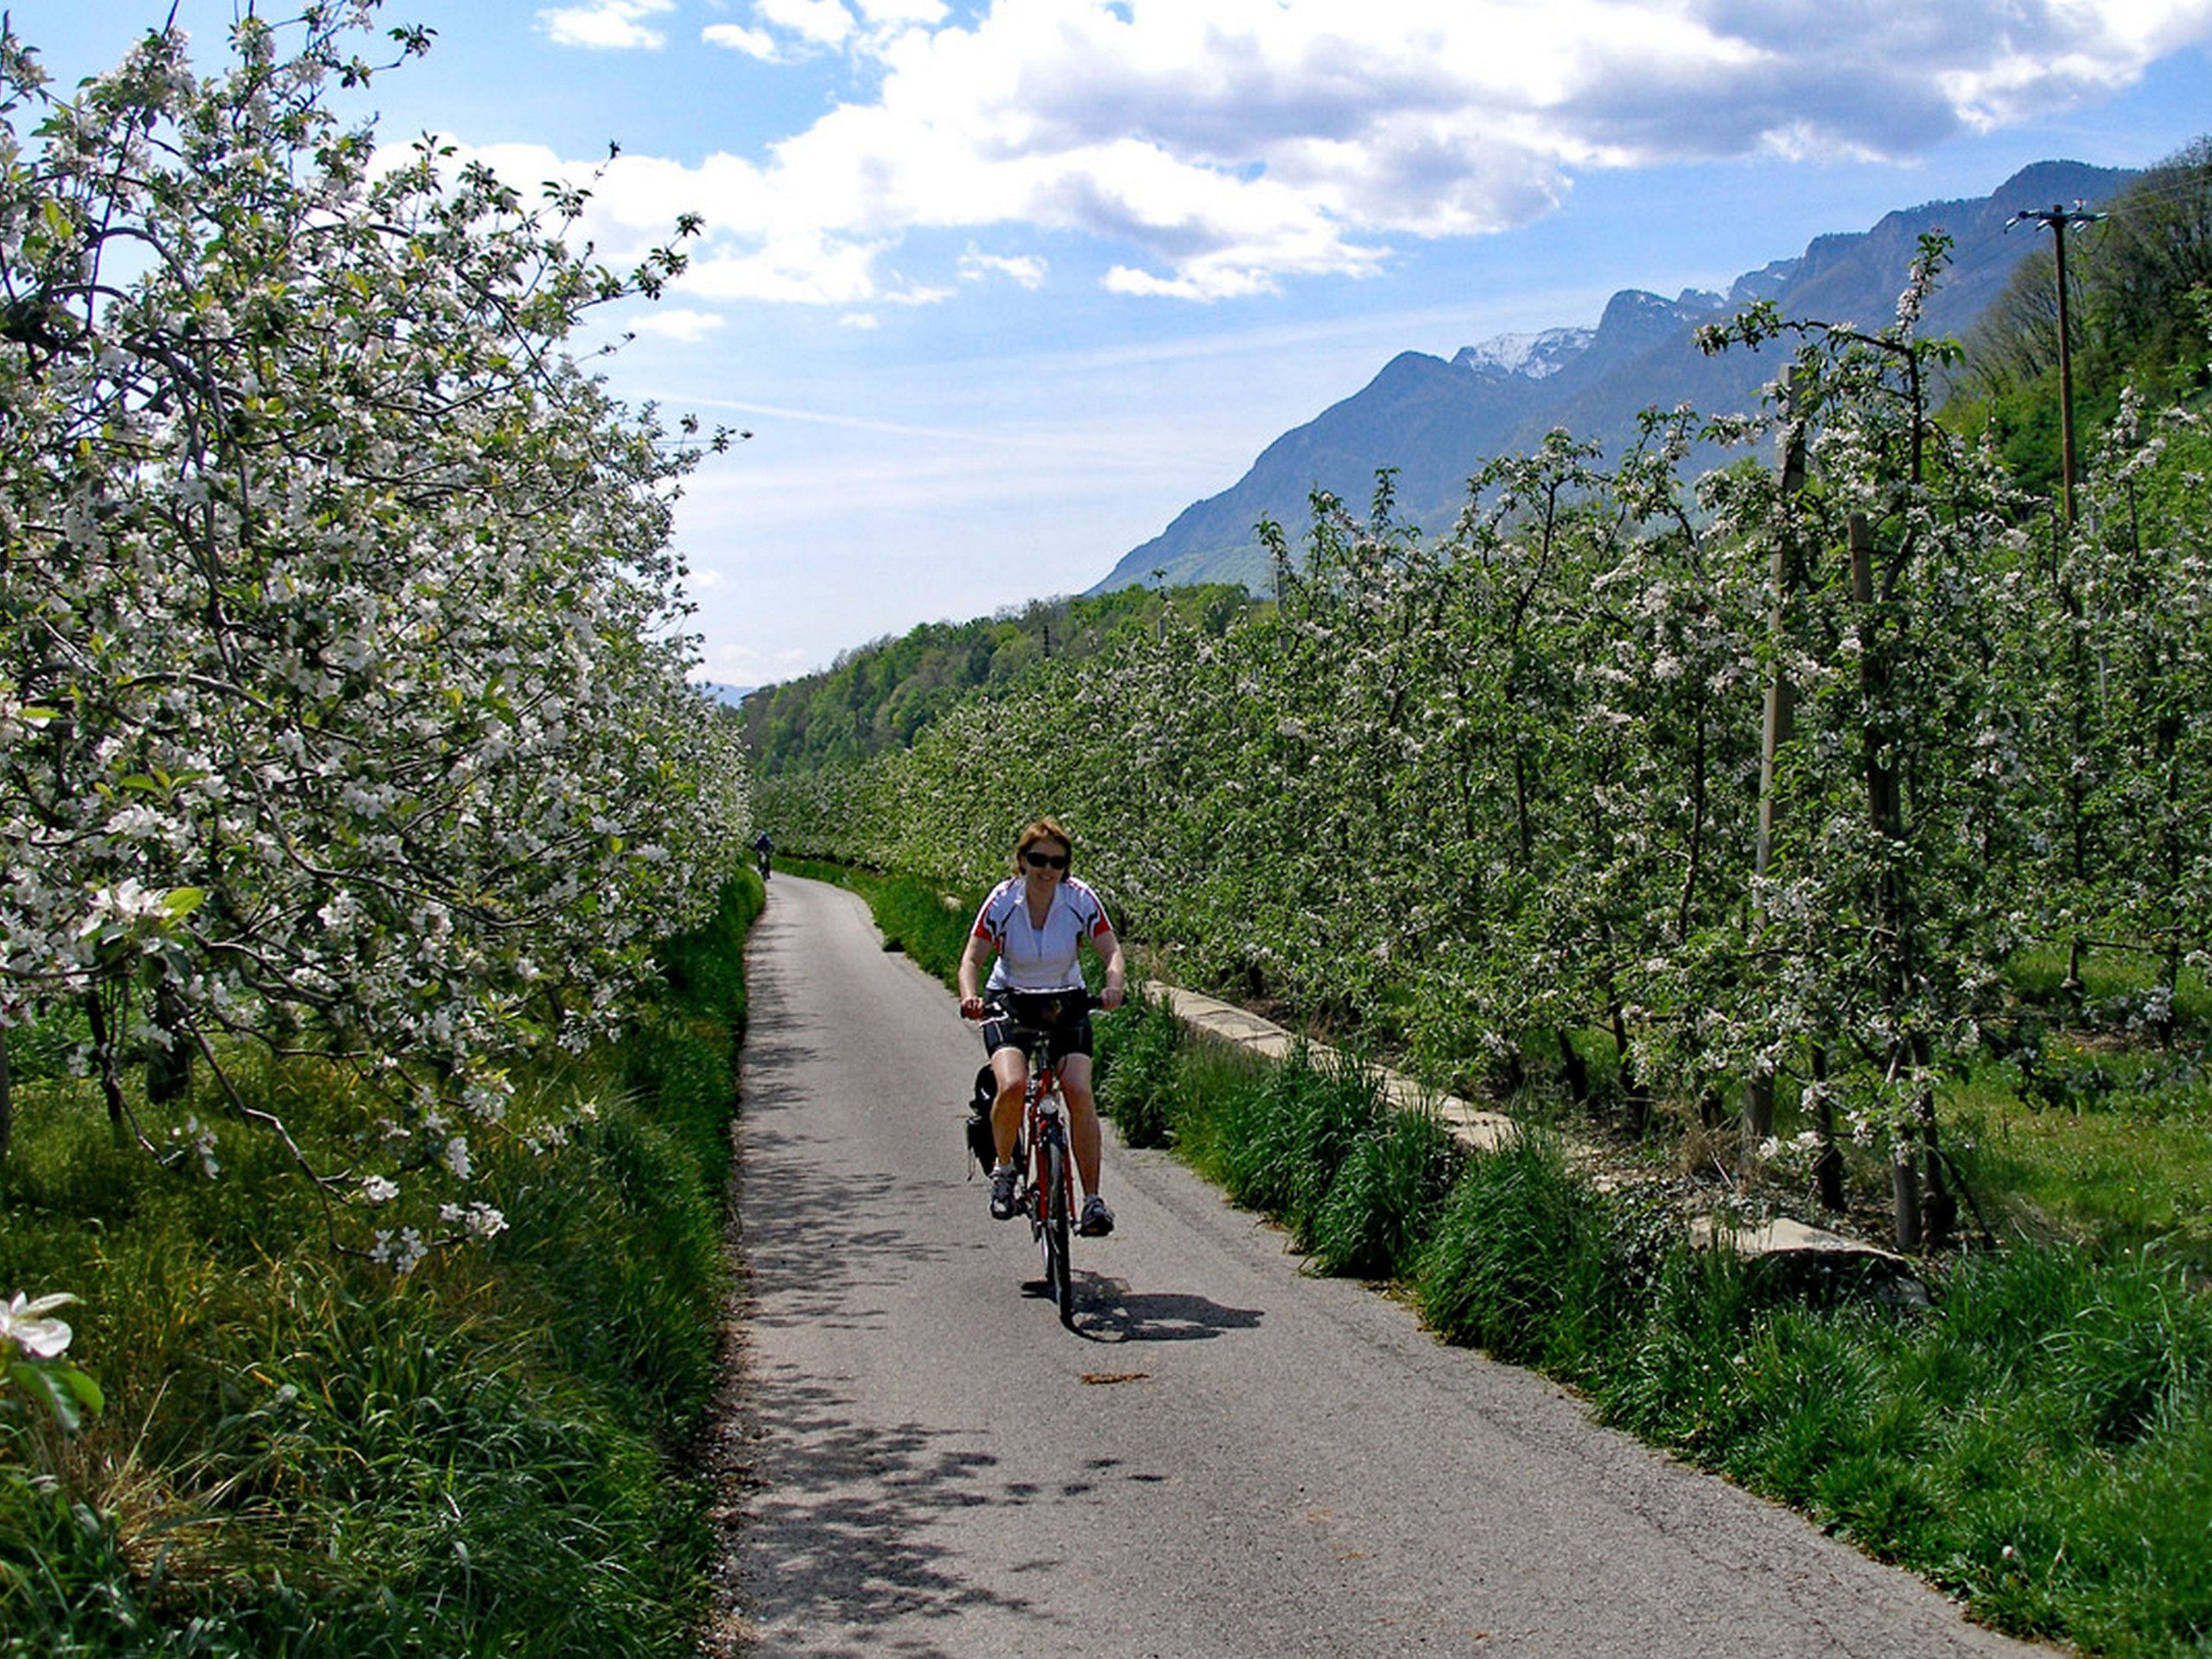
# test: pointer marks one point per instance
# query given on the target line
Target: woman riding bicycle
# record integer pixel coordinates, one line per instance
(1036, 922)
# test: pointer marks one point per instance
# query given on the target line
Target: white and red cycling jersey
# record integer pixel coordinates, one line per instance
(1033, 958)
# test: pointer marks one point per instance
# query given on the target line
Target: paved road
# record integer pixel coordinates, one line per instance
(1228, 1458)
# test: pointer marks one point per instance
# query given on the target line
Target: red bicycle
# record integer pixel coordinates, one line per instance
(1047, 1190)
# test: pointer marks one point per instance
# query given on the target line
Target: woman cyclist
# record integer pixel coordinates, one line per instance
(1035, 922)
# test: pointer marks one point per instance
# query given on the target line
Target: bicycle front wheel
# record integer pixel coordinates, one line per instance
(1057, 1199)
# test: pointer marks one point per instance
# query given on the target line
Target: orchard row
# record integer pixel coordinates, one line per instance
(1771, 779)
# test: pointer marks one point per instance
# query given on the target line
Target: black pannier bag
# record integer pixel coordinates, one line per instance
(980, 1141)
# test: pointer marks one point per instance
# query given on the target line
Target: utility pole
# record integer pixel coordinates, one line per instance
(2059, 220)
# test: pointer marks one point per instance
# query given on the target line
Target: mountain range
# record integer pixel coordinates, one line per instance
(1438, 421)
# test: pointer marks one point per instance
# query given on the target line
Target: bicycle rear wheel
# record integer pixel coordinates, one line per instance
(1060, 1275)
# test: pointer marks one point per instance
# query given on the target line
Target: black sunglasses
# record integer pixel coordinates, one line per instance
(1045, 861)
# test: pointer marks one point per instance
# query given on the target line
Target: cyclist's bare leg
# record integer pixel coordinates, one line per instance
(1010, 1066)
(1083, 1117)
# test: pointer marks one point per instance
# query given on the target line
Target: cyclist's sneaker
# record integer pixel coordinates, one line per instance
(1096, 1220)
(1003, 1207)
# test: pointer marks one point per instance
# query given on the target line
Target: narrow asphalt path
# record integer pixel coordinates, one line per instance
(1228, 1459)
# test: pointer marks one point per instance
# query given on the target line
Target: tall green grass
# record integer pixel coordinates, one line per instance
(1142, 1049)
(495, 1455)
(2038, 1441)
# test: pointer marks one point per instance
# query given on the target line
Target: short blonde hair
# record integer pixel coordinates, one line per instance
(1045, 829)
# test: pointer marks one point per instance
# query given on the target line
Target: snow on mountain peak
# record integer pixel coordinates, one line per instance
(1533, 357)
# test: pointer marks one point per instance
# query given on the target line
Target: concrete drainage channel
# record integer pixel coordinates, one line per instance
(1825, 1264)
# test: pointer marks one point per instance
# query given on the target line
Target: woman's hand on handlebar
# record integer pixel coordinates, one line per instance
(1112, 997)
(972, 1007)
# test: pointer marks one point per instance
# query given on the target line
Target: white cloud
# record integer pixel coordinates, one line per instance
(883, 15)
(606, 25)
(1026, 270)
(1220, 148)
(801, 269)
(822, 23)
(678, 324)
(751, 41)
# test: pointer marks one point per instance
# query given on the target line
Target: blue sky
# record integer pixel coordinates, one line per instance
(1001, 286)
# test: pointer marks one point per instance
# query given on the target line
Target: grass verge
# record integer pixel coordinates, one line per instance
(2037, 1442)
(301, 1456)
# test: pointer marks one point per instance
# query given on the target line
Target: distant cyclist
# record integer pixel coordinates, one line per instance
(762, 848)
(1035, 923)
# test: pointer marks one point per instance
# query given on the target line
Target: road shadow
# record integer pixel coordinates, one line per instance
(842, 1531)
(1107, 1311)
(799, 1177)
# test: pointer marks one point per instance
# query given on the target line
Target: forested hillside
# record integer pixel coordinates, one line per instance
(881, 696)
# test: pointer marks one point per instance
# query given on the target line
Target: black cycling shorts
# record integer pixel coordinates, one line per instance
(1009, 1017)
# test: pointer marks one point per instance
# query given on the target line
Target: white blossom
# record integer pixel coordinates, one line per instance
(27, 1323)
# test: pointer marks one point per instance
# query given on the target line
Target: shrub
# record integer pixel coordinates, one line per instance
(1386, 1197)
(1520, 1263)
(1139, 1050)
(1288, 1132)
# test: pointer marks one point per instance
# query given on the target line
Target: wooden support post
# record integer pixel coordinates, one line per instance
(1780, 717)
(1882, 815)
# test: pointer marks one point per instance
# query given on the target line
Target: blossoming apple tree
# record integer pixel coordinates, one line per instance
(342, 677)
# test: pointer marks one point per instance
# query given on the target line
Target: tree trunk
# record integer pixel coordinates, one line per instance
(1885, 814)
(103, 1052)
(1827, 1163)
(1758, 1110)
(168, 1071)
(1780, 719)
(1905, 1198)
(1636, 1100)
(1577, 1074)
(1939, 1206)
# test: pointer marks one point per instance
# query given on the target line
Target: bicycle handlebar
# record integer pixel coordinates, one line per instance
(1007, 1003)
(1020, 1007)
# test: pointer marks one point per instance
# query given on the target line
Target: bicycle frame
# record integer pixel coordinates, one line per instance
(1048, 1198)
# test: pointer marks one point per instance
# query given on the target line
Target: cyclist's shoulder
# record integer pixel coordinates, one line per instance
(1084, 896)
(1000, 900)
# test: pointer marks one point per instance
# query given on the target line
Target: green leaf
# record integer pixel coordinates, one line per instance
(87, 1390)
(45, 1384)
